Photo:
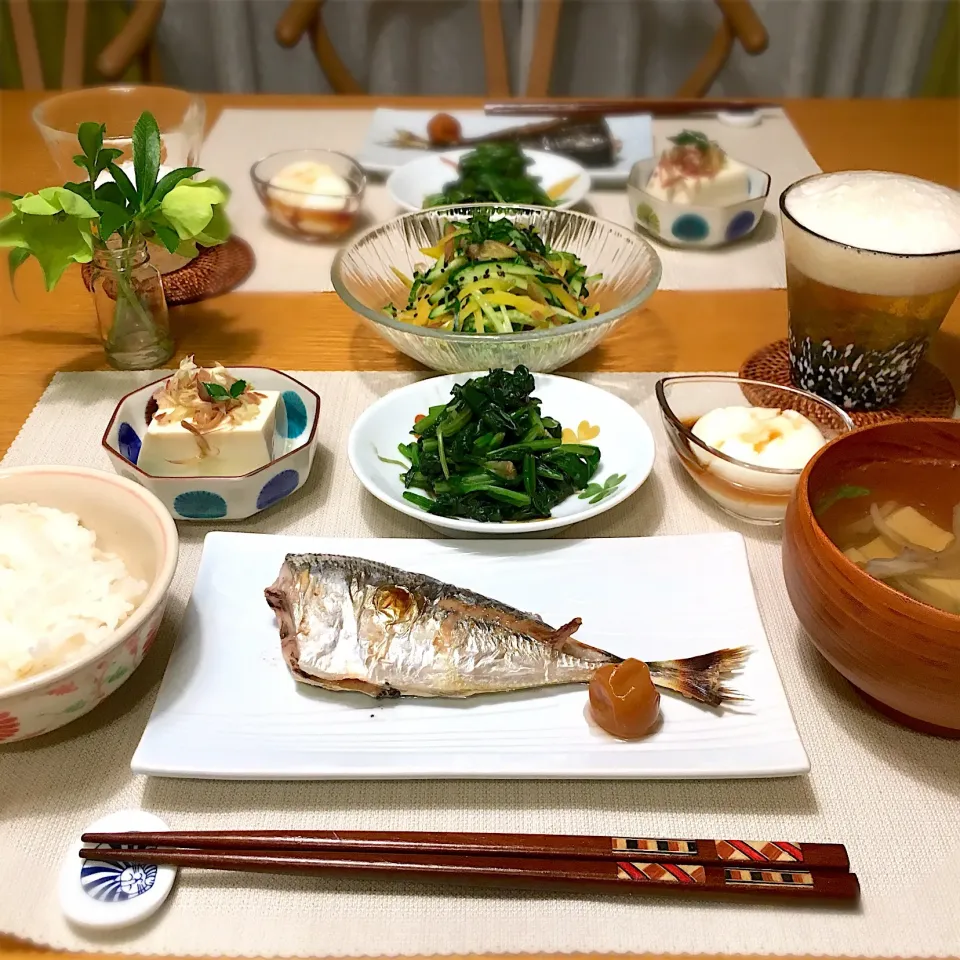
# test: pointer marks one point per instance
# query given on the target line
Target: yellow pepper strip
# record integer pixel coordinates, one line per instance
(403, 277)
(423, 312)
(467, 313)
(524, 304)
(479, 286)
(435, 253)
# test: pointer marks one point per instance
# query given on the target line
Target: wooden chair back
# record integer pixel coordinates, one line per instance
(740, 22)
(306, 16)
(134, 41)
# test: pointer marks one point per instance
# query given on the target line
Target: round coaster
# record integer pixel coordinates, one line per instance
(739, 118)
(107, 896)
(930, 393)
(215, 270)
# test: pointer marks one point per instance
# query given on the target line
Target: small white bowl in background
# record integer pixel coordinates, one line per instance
(130, 522)
(224, 498)
(302, 213)
(691, 225)
(412, 183)
(625, 442)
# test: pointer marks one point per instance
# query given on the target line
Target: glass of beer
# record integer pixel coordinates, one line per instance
(873, 265)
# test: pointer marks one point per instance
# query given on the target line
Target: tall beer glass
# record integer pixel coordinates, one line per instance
(873, 265)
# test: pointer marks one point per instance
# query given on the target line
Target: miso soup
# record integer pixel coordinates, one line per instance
(900, 522)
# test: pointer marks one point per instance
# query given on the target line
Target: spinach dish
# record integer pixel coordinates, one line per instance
(490, 454)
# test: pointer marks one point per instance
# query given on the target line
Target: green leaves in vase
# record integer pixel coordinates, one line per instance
(63, 225)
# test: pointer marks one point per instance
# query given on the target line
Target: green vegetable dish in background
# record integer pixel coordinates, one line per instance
(490, 455)
(493, 173)
(496, 276)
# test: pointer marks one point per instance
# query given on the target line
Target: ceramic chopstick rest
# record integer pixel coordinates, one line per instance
(108, 896)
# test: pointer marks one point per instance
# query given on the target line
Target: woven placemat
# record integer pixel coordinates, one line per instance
(891, 795)
(930, 393)
(215, 270)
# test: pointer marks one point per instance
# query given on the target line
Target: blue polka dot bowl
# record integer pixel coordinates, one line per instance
(224, 498)
(687, 225)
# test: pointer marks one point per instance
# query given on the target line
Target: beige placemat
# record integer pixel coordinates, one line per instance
(241, 137)
(890, 795)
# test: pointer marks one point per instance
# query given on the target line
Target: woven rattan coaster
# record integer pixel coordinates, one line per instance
(215, 270)
(930, 393)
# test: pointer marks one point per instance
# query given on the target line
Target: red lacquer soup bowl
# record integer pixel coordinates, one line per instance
(902, 654)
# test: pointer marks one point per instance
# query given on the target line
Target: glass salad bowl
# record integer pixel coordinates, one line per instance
(368, 274)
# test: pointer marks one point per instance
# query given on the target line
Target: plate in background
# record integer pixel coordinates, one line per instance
(634, 131)
(229, 709)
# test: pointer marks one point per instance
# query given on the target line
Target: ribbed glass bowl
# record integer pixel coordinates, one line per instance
(363, 275)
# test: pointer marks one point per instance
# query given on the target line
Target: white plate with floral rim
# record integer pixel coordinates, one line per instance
(587, 414)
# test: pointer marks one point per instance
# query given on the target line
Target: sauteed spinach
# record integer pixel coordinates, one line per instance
(489, 454)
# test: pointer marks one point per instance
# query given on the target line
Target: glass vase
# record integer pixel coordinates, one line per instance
(131, 307)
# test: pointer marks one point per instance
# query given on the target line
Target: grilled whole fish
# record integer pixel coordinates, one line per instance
(587, 140)
(353, 624)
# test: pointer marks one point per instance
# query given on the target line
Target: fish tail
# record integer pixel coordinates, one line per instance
(702, 678)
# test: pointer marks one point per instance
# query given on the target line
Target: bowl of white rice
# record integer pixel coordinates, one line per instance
(86, 562)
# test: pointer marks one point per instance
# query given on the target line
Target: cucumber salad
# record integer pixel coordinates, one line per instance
(495, 276)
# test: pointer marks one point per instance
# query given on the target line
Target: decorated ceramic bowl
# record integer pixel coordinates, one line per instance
(129, 522)
(688, 225)
(224, 498)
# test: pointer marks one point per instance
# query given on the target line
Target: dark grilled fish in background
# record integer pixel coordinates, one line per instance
(353, 624)
(586, 139)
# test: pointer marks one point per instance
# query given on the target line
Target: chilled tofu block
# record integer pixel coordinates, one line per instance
(915, 527)
(852, 553)
(170, 450)
(730, 185)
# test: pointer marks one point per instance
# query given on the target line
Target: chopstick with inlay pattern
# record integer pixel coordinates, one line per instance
(582, 875)
(753, 853)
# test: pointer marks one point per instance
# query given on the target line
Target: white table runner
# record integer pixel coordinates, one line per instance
(241, 137)
(889, 794)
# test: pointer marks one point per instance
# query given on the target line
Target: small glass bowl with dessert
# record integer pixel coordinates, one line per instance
(311, 194)
(696, 195)
(215, 443)
(746, 442)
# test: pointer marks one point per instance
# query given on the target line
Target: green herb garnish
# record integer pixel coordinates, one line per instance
(221, 394)
(691, 138)
(489, 454)
(846, 492)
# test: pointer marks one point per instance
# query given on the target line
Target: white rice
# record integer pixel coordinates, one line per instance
(60, 596)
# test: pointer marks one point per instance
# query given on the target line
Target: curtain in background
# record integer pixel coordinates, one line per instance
(390, 46)
(874, 48)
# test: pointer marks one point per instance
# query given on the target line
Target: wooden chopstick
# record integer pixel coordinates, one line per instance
(758, 854)
(602, 876)
(659, 108)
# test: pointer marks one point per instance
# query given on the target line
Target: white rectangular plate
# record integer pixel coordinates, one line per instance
(634, 131)
(229, 709)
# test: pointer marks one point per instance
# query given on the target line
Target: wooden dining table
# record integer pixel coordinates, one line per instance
(42, 333)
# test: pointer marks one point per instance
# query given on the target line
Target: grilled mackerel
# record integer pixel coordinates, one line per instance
(353, 624)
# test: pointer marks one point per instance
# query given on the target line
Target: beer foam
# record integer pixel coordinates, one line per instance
(886, 212)
(890, 224)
